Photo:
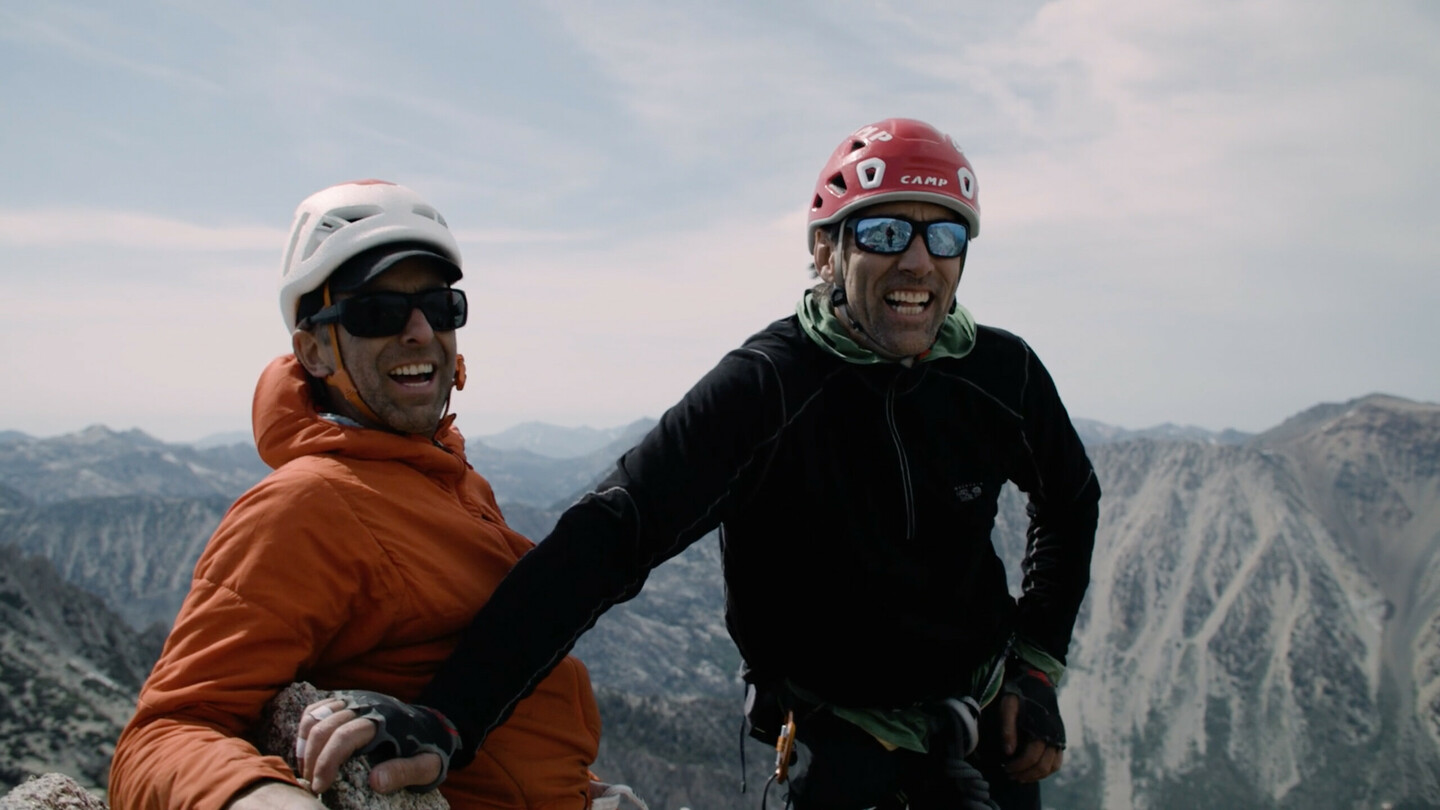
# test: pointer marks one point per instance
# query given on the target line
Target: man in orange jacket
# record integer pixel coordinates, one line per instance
(358, 561)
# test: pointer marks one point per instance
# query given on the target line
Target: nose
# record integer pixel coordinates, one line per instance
(916, 260)
(417, 330)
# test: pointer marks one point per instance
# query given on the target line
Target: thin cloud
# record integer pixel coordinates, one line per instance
(526, 236)
(68, 227)
(78, 34)
(696, 75)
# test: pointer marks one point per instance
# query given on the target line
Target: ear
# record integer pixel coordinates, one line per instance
(823, 252)
(315, 354)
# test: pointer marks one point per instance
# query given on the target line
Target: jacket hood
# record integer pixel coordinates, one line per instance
(288, 426)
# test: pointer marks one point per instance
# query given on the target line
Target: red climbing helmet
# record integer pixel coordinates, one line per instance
(898, 159)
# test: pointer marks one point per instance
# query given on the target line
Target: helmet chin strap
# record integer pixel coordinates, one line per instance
(842, 307)
(341, 378)
(838, 299)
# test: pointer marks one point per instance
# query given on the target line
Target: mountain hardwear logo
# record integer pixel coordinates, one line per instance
(968, 492)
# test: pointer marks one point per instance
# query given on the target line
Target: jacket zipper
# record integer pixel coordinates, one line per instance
(904, 461)
(456, 487)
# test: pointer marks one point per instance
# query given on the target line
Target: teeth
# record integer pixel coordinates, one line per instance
(908, 297)
(414, 369)
(908, 302)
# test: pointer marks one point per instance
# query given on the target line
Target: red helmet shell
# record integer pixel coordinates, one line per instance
(898, 159)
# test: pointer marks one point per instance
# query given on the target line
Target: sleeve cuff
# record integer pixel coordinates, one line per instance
(1045, 662)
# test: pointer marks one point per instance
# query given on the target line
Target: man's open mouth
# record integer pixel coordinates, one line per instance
(413, 374)
(908, 302)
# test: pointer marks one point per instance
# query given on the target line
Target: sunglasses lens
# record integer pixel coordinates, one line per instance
(883, 234)
(385, 314)
(378, 315)
(892, 235)
(443, 309)
(945, 240)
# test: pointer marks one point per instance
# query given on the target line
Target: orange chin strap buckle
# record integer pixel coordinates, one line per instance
(785, 748)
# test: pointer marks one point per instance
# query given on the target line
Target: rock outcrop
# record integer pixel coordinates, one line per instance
(53, 791)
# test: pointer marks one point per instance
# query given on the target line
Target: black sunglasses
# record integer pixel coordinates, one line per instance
(893, 234)
(383, 314)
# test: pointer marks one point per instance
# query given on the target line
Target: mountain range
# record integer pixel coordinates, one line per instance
(1262, 629)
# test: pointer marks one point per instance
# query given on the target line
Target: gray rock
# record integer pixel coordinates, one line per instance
(51, 791)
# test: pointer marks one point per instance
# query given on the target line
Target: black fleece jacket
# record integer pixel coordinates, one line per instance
(856, 503)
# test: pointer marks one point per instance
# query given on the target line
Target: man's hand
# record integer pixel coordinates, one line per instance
(329, 734)
(1033, 761)
(270, 795)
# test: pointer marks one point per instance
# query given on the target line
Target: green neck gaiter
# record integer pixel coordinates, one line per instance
(957, 333)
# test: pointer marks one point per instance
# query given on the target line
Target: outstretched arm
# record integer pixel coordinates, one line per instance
(671, 489)
(667, 492)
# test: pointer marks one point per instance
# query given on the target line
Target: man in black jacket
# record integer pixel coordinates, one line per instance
(852, 456)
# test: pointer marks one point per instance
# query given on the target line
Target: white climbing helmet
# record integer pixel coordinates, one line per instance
(336, 224)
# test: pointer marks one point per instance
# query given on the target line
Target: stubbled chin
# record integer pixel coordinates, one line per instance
(907, 338)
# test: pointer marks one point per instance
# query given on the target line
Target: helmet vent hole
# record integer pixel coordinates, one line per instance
(429, 213)
(856, 146)
(837, 185)
(818, 204)
(354, 213)
(329, 223)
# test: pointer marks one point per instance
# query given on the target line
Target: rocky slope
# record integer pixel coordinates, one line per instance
(136, 551)
(1261, 626)
(69, 673)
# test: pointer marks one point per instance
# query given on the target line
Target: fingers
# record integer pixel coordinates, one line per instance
(1009, 712)
(328, 735)
(1035, 762)
(331, 742)
(317, 723)
(312, 715)
(394, 774)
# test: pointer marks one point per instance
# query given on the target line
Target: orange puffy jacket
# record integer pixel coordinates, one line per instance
(356, 564)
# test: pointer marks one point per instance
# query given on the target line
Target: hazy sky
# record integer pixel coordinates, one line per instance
(1205, 212)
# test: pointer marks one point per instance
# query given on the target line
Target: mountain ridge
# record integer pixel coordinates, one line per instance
(1262, 629)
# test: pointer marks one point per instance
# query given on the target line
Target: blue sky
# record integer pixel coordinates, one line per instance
(1210, 213)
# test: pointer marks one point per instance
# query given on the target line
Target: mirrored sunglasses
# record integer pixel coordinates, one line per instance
(891, 235)
(383, 314)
